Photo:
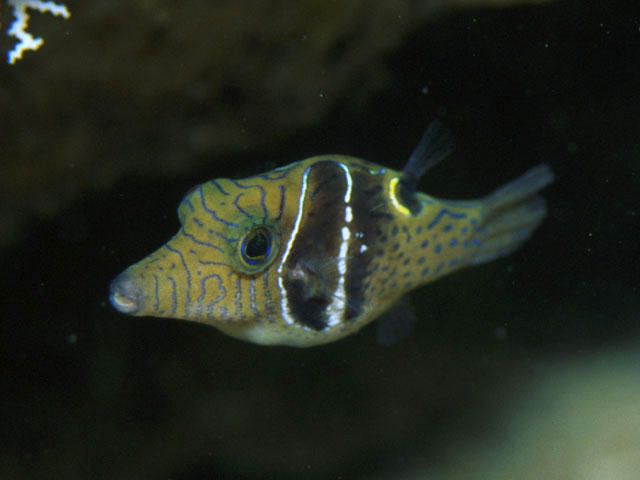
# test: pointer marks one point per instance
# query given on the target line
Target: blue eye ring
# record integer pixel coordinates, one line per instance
(256, 246)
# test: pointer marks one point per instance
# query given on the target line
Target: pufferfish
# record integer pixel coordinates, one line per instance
(311, 252)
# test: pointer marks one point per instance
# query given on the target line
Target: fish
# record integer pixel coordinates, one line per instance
(311, 252)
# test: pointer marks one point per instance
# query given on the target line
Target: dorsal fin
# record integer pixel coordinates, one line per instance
(436, 143)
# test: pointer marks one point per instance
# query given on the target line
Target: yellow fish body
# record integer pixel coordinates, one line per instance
(310, 253)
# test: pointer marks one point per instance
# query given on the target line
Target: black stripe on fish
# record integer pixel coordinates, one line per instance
(310, 272)
(367, 232)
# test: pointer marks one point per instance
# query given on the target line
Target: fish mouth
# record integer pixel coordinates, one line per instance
(125, 294)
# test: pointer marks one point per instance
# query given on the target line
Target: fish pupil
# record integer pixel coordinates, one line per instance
(256, 247)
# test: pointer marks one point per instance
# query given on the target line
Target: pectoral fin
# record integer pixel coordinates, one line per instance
(395, 324)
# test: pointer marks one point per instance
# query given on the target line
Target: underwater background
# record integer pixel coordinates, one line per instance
(526, 367)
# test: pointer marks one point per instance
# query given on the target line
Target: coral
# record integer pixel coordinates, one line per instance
(578, 419)
(18, 28)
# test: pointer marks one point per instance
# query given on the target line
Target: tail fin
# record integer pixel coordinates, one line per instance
(512, 213)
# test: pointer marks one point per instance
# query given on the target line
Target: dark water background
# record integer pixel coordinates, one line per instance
(90, 393)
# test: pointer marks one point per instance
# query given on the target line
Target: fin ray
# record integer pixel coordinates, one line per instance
(512, 213)
(436, 144)
(519, 190)
(395, 324)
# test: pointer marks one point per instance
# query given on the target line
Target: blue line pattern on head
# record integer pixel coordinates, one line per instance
(186, 270)
(267, 296)
(174, 303)
(252, 297)
(262, 195)
(238, 298)
(184, 264)
(203, 291)
(278, 174)
(217, 185)
(207, 262)
(199, 242)
(240, 209)
(212, 212)
(156, 301)
(281, 206)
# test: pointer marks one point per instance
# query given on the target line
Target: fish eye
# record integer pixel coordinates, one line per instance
(256, 246)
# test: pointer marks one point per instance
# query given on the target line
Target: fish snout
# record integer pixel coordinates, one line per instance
(125, 294)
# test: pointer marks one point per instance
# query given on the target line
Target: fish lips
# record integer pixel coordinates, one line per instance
(125, 294)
